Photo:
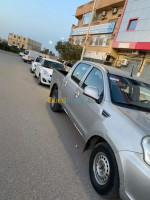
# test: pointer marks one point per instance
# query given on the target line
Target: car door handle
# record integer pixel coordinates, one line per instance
(77, 93)
(66, 83)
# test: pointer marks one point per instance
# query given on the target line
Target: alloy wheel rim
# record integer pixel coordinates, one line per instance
(101, 168)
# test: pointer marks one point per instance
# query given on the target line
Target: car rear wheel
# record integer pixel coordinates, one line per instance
(103, 171)
(55, 107)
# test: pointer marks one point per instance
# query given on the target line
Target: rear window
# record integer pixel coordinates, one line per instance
(79, 72)
(38, 59)
(26, 52)
(52, 65)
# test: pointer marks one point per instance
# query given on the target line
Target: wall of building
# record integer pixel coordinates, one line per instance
(139, 38)
(99, 45)
(23, 43)
(134, 45)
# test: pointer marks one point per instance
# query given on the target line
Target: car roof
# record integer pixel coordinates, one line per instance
(52, 60)
(115, 71)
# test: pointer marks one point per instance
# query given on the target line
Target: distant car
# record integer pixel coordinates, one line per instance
(44, 70)
(21, 53)
(34, 64)
(29, 56)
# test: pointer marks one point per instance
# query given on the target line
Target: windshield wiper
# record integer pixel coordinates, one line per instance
(132, 106)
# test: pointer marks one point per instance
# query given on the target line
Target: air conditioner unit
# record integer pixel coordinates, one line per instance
(135, 52)
(124, 62)
(104, 13)
(114, 11)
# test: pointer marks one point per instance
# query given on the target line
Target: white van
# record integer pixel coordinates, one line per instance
(29, 56)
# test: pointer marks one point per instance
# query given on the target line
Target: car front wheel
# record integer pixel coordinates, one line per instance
(103, 171)
(54, 105)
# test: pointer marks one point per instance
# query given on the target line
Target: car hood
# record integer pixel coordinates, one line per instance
(142, 119)
(35, 63)
(50, 71)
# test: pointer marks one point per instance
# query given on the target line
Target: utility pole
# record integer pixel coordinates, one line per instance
(91, 19)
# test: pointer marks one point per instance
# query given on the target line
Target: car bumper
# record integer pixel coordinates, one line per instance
(46, 80)
(25, 59)
(136, 175)
(33, 68)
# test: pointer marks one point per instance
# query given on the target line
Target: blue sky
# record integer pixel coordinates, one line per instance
(41, 20)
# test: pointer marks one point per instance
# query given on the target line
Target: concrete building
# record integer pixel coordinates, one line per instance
(23, 42)
(103, 29)
(132, 40)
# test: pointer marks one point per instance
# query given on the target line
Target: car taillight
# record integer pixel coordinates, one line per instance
(29, 57)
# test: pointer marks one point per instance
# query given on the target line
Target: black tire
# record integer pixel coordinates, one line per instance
(25, 61)
(55, 107)
(39, 80)
(106, 180)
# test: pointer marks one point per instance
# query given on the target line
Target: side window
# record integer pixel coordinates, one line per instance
(94, 79)
(79, 72)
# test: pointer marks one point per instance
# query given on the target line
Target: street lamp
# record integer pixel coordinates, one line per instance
(91, 19)
(50, 42)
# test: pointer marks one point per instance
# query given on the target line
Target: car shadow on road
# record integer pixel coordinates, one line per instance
(74, 145)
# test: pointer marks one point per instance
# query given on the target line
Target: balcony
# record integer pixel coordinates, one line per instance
(103, 4)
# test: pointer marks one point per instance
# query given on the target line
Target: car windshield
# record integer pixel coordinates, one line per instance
(52, 65)
(130, 93)
(26, 52)
(38, 59)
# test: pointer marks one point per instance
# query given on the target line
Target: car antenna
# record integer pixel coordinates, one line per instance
(132, 71)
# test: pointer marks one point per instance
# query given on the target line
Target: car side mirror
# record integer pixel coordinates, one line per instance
(92, 92)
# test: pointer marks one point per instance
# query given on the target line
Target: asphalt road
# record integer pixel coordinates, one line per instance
(38, 154)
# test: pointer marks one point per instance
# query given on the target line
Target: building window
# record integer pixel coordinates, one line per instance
(86, 18)
(14, 36)
(24, 39)
(132, 24)
(101, 40)
(78, 40)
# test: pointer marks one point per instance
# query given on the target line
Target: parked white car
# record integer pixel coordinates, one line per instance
(44, 70)
(21, 53)
(29, 56)
(34, 64)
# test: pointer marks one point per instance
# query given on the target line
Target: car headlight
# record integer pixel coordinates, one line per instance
(146, 149)
(45, 73)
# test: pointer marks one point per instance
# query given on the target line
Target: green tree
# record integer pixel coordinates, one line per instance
(51, 53)
(46, 51)
(68, 51)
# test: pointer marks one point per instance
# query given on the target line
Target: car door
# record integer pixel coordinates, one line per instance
(71, 84)
(87, 109)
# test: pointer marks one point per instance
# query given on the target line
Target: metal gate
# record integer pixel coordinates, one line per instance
(146, 72)
(132, 63)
